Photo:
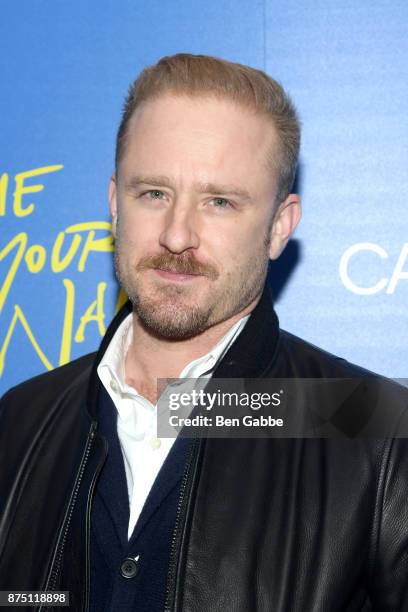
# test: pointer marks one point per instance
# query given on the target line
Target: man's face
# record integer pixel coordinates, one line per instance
(193, 213)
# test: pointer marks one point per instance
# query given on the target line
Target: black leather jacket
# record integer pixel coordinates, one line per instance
(282, 525)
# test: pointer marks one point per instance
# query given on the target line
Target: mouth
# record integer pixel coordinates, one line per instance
(176, 276)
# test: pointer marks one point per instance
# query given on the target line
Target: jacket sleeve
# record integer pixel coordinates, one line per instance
(389, 569)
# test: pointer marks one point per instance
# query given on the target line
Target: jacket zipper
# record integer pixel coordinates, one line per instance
(56, 562)
(184, 497)
(87, 529)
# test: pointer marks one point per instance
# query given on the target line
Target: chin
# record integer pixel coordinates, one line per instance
(172, 322)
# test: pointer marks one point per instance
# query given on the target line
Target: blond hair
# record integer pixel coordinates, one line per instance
(203, 75)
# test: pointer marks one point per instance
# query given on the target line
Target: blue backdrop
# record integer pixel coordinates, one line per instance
(65, 68)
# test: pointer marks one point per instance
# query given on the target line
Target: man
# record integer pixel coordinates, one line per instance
(91, 501)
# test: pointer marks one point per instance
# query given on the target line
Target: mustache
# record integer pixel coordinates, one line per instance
(183, 264)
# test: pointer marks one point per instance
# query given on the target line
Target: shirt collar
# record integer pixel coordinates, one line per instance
(207, 362)
(111, 369)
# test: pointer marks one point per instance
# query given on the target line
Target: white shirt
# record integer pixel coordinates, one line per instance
(143, 452)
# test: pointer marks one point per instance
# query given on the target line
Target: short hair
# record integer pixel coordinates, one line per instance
(203, 75)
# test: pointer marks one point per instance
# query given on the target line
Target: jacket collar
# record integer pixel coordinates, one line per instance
(250, 355)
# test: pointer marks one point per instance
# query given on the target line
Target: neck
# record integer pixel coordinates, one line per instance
(150, 358)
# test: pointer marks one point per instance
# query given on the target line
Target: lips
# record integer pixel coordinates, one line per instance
(178, 272)
(176, 276)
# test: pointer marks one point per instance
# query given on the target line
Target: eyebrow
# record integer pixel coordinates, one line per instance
(164, 181)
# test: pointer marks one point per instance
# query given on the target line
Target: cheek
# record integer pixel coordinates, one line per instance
(223, 246)
(238, 244)
(135, 232)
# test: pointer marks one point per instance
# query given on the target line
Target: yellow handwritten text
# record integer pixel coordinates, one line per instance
(71, 248)
(94, 313)
(35, 256)
(21, 189)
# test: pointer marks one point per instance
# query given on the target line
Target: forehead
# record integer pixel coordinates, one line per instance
(206, 137)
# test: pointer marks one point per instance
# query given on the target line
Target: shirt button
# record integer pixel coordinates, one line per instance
(155, 443)
(113, 385)
(129, 567)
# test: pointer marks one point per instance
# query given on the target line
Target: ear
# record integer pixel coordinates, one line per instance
(286, 218)
(113, 203)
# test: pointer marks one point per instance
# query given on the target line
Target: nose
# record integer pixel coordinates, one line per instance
(180, 231)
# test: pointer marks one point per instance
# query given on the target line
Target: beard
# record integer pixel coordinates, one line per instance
(168, 311)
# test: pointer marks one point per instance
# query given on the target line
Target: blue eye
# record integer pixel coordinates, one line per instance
(155, 194)
(221, 202)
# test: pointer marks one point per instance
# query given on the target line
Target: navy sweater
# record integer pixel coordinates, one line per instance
(144, 589)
